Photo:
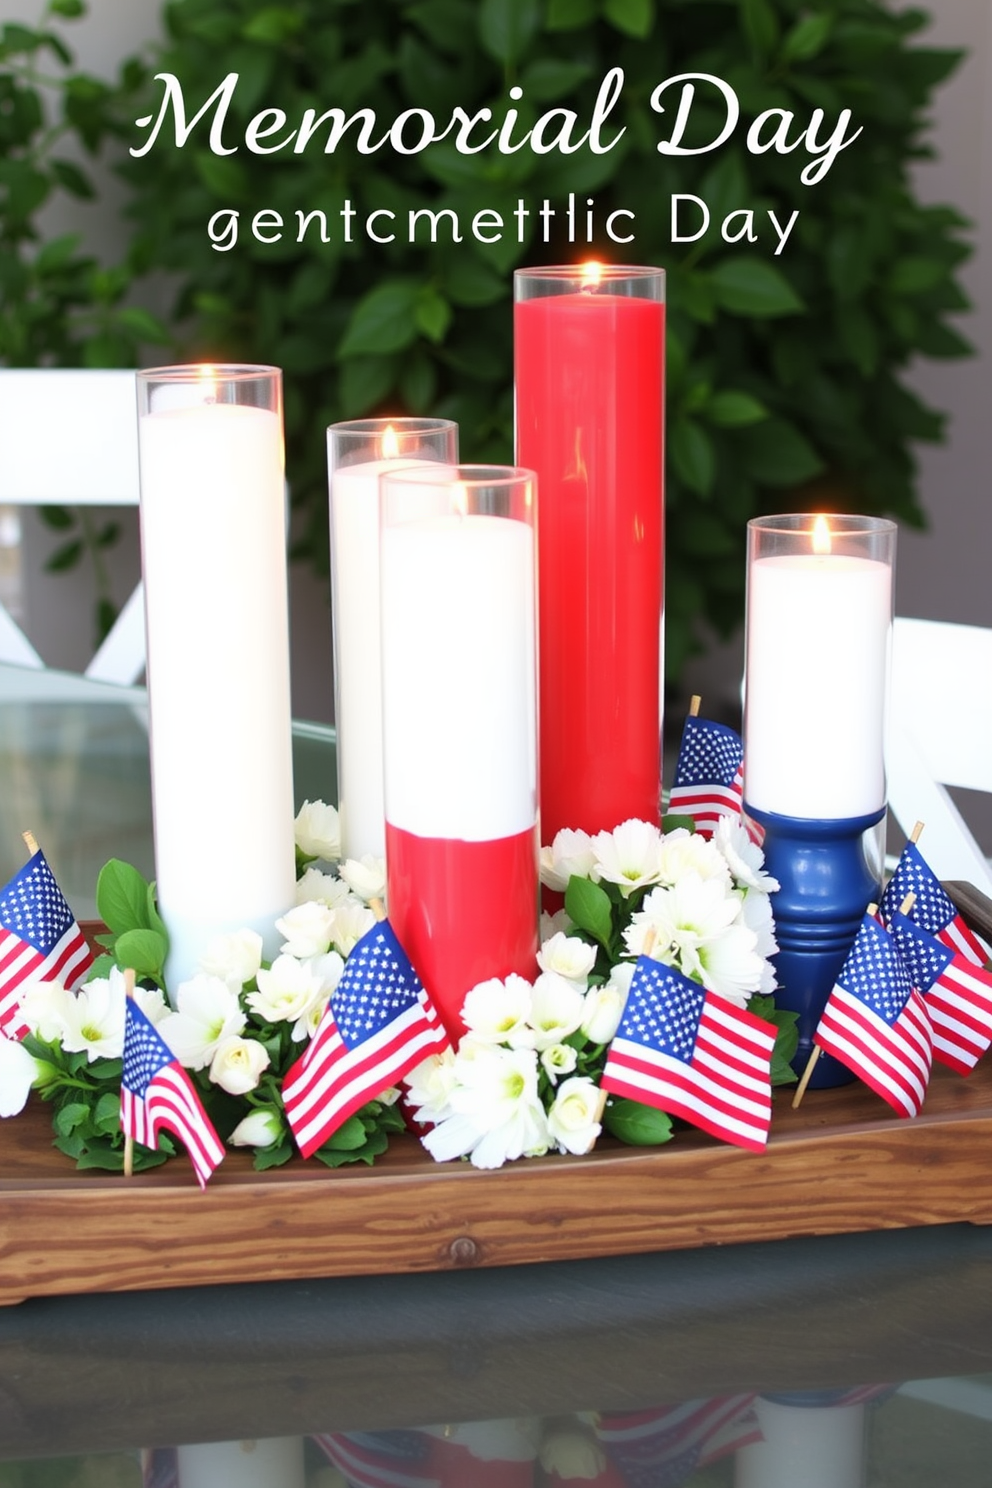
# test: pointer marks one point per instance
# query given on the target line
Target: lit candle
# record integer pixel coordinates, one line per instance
(819, 615)
(358, 453)
(213, 544)
(459, 725)
(589, 373)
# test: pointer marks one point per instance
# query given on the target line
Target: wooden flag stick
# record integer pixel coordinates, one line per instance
(907, 904)
(30, 842)
(811, 1062)
(695, 703)
(129, 1137)
(916, 833)
(378, 908)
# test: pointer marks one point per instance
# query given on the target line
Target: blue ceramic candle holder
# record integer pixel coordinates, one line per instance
(827, 882)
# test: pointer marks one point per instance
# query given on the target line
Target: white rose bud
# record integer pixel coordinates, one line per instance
(318, 831)
(18, 1072)
(603, 1010)
(234, 958)
(238, 1065)
(573, 1120)
(365, 877)
(568, 956)
(308, 929)
(258, 1129)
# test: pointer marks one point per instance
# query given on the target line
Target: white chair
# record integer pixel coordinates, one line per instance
(70, 437)
(940, 734)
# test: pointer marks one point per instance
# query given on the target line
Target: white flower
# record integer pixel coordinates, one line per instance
(744, 857)
(569, 956)
(730, 966)
(207, 1012)
(556, 1009)
(318, 831)
(325, 888)
(630, 855)
(238, 1065)
(567, 1455)
(43, 1009)
(259, 1129)
(307, 930)
(570, 854)
(573, 1120)
(498, 1012)
(681, 918)
(603, 1006)
(556, 924)
(18, 1072)
(352, 920)
(685, 852)
(365, 877)
(153, 1004)
(557, 1060)
(429, 1086)
(93, 1019)
(497, 1114)
(288, 991)
(234, 958)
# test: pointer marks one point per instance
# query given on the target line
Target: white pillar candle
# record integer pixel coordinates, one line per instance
(818, 628)
(213, 557)
(354, 512)
(804, 1447)
(269, 1462)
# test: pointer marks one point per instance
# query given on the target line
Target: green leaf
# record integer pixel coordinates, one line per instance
(693, 455)
(749, 286)
(143, 950)
(72, 179)
(569, 15)
(588, 906)
(507, 27)
(913, 275)
(760, 25)
(674, 822)
(65, 557)
(733, 410)
(122, 897)
(777, 454)
(107, 1113)
(632, 17)
(70, 1116)
(807, 38)
(365, 382)
(272, 1157)
(432, 314)
(143, 324)
(68, 8)
(58, 518)
(548, 78)
(347, 1137)
(636, 1124)
(275, 24)
(102, 967)
(383, 320)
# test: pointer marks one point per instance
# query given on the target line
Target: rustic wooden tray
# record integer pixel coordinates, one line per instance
(842, 1163)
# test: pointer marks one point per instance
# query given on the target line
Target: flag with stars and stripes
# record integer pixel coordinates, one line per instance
(666, 1445)
(379, 1459)
(958, 994)
(708, 781)
(157, 1092)
(877, 1023)
(377, 1026)
(693, 1054)
(933, 910)
(39, 940)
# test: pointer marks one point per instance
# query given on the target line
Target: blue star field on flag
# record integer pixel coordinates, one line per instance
(933, 909)
(39, 940)
(157, 1092)
(708, 775)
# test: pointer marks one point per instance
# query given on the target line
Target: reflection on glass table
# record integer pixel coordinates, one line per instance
(74, 771)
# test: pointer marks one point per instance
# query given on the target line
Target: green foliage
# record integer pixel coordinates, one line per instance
(782, 369)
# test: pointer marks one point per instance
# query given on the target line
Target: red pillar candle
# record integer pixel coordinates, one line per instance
(459, 724)
(589, 372)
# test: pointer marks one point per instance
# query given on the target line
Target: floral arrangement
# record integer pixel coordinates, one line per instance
(524, 1080)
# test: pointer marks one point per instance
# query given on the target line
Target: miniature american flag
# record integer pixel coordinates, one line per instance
(708, 780)
(39, 940)
(156, 1091)
(379, 1459)
(693, 1054)
(377, 1026)
(958, 994)
(877, 1023)
(932, 910)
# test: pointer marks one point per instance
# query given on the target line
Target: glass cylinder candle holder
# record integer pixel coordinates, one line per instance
(819, 621)
(213, 544)
(589, 381)
(358, 452)
(459, 724)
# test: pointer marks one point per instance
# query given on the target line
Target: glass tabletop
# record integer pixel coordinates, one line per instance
(74, 771)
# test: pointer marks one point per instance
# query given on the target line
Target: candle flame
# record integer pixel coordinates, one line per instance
(459, 499)
(390, 443)
(208, 383)
(821, 535)
(592, 273)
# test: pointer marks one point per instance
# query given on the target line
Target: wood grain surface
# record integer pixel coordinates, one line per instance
(842, 1163)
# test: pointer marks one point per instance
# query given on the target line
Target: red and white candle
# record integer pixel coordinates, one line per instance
(819, 619)
(358, 452)
(589, 373)
(213, 544)
(459, 724)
